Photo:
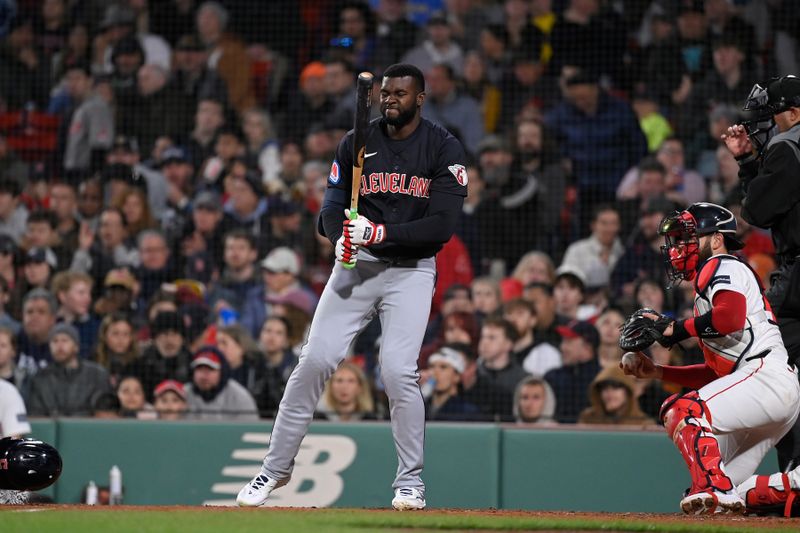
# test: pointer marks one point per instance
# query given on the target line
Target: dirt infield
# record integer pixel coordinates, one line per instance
(719, 521)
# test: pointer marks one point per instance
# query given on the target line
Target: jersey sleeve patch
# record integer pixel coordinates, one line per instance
(334, 176)
(733, 275)
(460, 174)
(719, 280)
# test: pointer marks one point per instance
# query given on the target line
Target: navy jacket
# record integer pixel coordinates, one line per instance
(571, 386)
(601, 147)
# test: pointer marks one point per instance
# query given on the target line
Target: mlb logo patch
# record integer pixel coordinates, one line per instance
(460, 173)
(334, 176)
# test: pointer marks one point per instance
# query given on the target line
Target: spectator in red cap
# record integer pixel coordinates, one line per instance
(510, 288)
(212, 395)
(170, 400)
(570, 383)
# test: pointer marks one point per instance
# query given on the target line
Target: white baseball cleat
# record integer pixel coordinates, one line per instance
(713, 502)
(257, 491)
(408, 499)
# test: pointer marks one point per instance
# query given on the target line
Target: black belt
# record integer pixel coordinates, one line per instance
(400, 263)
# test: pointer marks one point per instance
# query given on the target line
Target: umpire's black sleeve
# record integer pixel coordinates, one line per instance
(436, 228)
(773, 191)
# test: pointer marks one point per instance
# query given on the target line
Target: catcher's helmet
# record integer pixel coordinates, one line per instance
(764, 103)
(28, 464)
(682, 231)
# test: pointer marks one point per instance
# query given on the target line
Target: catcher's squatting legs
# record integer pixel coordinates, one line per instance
(403, 297)
(686, 422)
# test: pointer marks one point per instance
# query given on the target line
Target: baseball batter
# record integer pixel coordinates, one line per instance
(413, 185)
(746, 394)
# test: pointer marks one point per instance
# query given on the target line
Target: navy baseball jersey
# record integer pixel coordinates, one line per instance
(414, 186)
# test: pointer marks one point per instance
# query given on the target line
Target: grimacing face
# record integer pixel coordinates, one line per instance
(400, 100)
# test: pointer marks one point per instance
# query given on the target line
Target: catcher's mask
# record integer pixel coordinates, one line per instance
(682, 231)
(763, 104)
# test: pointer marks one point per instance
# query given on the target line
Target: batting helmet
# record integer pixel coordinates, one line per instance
(28, 464)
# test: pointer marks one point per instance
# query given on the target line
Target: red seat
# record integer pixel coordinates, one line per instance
(31, 134)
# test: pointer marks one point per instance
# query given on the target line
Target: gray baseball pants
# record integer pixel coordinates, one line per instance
(401, 296)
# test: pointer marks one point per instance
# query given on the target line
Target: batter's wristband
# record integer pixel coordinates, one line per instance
(379, 234)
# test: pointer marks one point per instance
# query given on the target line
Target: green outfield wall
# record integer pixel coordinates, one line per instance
(352, 465)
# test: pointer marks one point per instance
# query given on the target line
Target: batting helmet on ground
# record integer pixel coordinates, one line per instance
(28, 464)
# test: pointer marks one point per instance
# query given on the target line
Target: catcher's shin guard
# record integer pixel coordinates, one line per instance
(770, 495)
(688, 424)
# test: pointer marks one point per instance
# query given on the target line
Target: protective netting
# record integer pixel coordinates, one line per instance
(163, 164)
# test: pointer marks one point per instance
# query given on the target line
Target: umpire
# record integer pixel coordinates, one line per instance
(767, 147)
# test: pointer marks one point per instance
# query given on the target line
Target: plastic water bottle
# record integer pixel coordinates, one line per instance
(91, 494)
(115, 486)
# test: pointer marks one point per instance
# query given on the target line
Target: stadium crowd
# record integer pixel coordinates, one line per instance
(162, 165)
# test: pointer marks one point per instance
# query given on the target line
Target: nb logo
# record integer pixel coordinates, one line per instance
(316, 478)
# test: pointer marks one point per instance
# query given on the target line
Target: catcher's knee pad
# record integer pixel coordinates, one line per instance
(688, 424)
(678, 408)
(770, 495)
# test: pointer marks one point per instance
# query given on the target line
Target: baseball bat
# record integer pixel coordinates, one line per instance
(363, 105)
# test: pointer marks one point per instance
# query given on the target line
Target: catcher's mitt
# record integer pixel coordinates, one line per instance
(639, 332)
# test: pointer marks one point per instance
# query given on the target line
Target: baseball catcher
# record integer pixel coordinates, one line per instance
(745, 395)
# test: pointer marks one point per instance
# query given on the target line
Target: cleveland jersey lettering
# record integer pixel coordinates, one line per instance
(399, 177)
(385, 182)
